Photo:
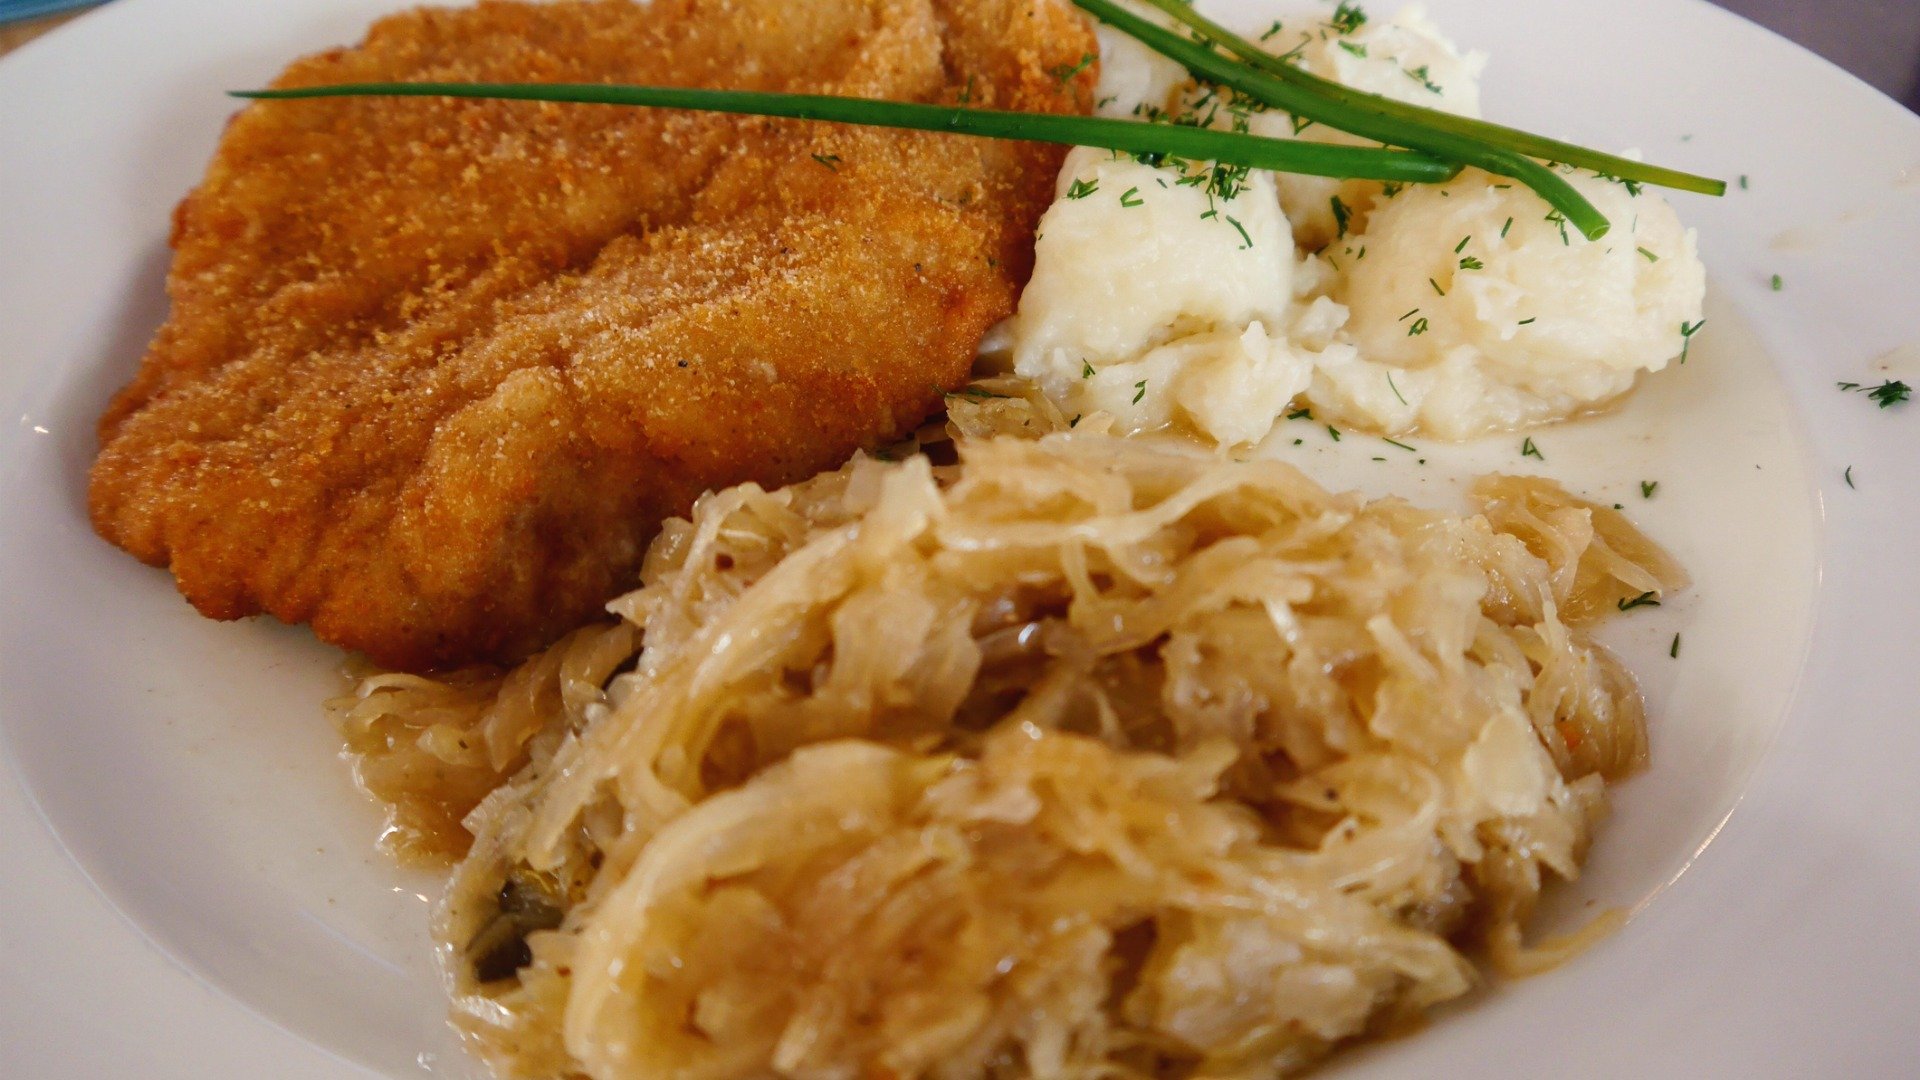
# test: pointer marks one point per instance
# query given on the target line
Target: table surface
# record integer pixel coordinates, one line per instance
(1878, 40)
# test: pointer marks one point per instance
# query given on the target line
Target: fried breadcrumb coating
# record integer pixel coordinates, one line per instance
(435, 370)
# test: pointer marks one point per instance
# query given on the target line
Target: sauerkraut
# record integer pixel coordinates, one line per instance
(1081, 756)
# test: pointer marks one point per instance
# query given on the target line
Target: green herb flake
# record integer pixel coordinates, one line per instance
(1086, 370)
(1247, 241)
(1673, 650)
(1471, 263)
(1743, 181)
(1347, 18)
(1648, 487)
(1645, 599)
(1333, 431)
(831, 161)
(1357, 50)
(1778, 283)
(1649, 256)
(1504, 229)
(1848, 477)
(1130, 198)
(1302, 413)
(1080, 189)
(1341, 215)
(1395, 389)
(1066, 74)
(1139, 391)
(1419, 327)
(1436, 287)
(1687, 330)
(1889, 393)
(1401, 445)
(1527, 449)
(1462, 245)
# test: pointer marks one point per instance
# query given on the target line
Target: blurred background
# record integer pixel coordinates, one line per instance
(1878, 40)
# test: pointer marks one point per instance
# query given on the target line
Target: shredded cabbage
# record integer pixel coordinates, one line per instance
(1080, 757)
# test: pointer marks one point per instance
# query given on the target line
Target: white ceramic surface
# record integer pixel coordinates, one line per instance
(190, 887)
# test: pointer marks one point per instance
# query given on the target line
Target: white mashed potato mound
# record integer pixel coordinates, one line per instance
(1153, 301)
(1536, 322)
(1133, 78)
(1404, 58)
(1154, 304)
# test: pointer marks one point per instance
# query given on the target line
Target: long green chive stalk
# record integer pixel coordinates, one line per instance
(1497, 135)
(1133, 137)
(1211, 66)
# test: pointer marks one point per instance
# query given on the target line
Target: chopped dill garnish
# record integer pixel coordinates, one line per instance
(1648, 487)
(1419, 327)
(1649, 256)
(1271, 30)
(1408, 315)
(1743, 181)
(1848, 477)
(1396, 391)
(1424, 77)
(1302, 413)
(1401, 445)
(1357, 50)
(1462, 245)
(1528, 321)
(1527, 449)
(1886, 394)
(831, 161)
(1471, 263)
(1645, 599)
(1687, 330)
(1139, 391)
(978, 393)
(1080, 189)
(1778, 283)
(1347, 18)
(1673, 650)
(1504, 229)
(1130, 198)
(1333, 431)
(1066, 74)
(1560, 219)
(1247, 241)
(1436, 287)
(1341, 215)
(1086, 370)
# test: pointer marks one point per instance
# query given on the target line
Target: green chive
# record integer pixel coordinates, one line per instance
(1280, 93)
(1494, 136)
(1129, 136)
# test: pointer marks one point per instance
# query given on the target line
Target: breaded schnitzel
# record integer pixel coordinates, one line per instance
(436, 370)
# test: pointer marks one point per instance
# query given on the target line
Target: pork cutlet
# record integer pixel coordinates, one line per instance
(435, 371)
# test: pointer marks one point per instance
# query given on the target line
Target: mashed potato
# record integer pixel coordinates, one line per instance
(1489, 312)
(1404, 58)
(1152, 299)
(1453, 310)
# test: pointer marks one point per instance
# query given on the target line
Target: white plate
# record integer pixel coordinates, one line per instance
(189, 884)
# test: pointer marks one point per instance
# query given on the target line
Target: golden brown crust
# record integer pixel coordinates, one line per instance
(435, 370)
